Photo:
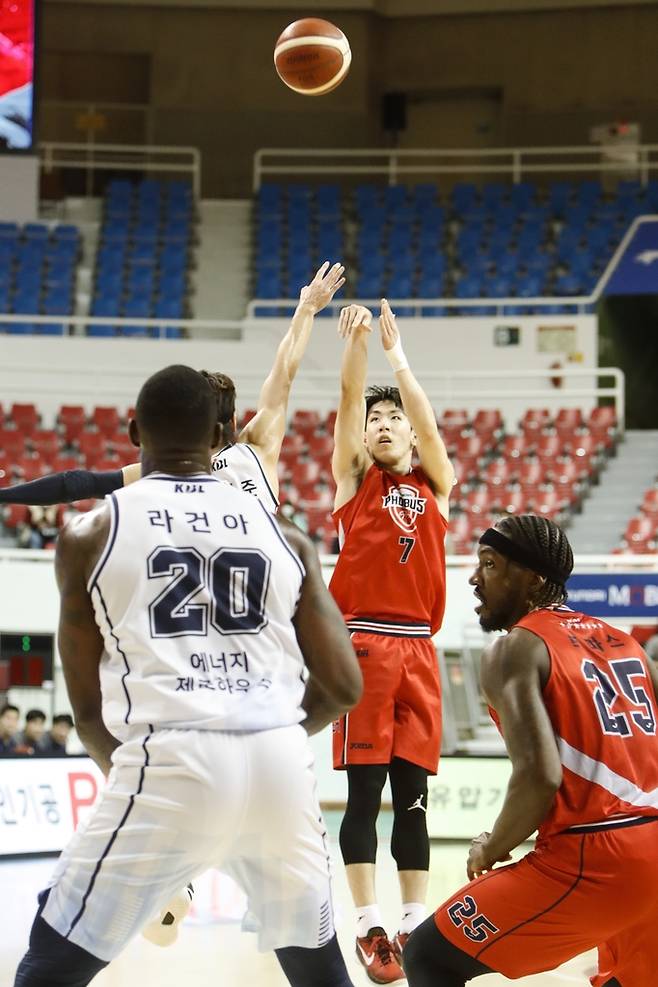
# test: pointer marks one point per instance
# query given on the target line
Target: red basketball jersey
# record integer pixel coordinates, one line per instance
(601, 702)
(391, 565)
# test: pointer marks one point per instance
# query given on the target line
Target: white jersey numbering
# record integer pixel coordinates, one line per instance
(239, 465)
(194, 594)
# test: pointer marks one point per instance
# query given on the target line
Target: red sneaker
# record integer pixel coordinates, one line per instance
(377, 954)
(399, 942)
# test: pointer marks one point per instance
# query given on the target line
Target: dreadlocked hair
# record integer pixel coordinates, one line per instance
(224, 390)
(542, 537)
(378, 393)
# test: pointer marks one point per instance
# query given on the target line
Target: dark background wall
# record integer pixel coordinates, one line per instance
(205, 77)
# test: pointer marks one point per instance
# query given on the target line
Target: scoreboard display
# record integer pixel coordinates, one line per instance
(26, 659)
(17, 71)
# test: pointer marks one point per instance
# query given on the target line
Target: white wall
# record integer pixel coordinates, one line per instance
(19, 188)
(52, 371)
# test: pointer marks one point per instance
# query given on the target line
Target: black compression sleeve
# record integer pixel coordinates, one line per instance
(63, 488)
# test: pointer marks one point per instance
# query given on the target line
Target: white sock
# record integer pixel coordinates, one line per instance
(367, 917)
(413, 913)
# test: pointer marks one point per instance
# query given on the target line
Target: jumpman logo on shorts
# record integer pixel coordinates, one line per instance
(418, 804)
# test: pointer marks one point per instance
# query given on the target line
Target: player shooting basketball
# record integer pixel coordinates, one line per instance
(389, 583)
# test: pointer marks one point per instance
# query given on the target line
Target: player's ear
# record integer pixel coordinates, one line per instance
(133, 432)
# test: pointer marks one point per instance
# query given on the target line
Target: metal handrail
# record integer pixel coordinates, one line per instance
(95, 156)
(516, 167)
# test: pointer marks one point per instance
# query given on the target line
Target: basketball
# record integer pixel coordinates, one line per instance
(312, 56)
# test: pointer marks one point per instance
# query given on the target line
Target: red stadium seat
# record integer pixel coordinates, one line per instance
(549, 503)
(454, 417)
(46, 442)
(535, 420)
(305, 420)
(72, 418)
(14, 514)
(5, 470)
(605, 416)
(549, 447)
(531, 471)
(247, 415)
(30, 467)
(477, 501)
(316, 498)
(513, 500)
(330, 422)
(319, 517)
(641, 528)
(487, 420)
(25, 416)
(12, 442)
(304, 472)
(91, 446)
(65, 461)
(568, 418)
(518, 446)
(106, 419)
(499, 472)
(471, 447)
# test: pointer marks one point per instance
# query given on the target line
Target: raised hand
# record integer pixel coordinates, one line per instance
(354, 317)
(388, 327)
(323, 287)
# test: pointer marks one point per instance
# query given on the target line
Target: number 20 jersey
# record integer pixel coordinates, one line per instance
(194, 594)
(602, 707)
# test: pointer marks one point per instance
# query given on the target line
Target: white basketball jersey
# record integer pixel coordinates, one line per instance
(194, 594)
(239, 465)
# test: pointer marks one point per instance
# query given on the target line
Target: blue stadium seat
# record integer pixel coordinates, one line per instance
(136, 307)
(169, 308)
(36, 231)
(49, 328)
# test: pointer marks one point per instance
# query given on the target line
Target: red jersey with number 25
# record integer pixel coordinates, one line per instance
(392, 557)
(601, 702)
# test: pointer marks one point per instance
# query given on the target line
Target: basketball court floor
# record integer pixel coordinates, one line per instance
(211, 950)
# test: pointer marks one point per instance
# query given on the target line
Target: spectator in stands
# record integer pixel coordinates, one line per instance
(35, 725)
(8, 727)
(53, 743)
(41, 529)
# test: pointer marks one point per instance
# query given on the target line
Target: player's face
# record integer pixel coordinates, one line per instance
(9, 723)
(501, 588)
(389, 437)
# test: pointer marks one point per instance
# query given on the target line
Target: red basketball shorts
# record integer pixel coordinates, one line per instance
(574, 892)
(399, 714)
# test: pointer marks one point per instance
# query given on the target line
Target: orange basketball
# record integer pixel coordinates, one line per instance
(312, 56)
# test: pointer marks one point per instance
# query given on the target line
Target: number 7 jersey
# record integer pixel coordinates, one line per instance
(391, 567)
(194, 595)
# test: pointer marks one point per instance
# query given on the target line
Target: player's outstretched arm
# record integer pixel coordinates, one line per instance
(266, 429)
(350, 459)
(335, 682)
(71, 485)
(513, 671)
(431, 448)
(79, 640)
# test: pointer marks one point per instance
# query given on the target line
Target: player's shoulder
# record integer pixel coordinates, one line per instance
(518, 652)
(298, 541)
(85, 531)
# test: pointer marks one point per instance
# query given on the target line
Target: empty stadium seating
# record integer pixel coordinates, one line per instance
(143, 258)
(541, 467)
(37, 274)
(491, 241)
(641, 534)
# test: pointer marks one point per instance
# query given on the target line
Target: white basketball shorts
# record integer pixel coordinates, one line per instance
(178, 802)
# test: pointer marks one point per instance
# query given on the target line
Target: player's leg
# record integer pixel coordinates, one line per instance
(283, 866)
(430, 960)
(53, 961)
(410, 845)
(321, 967)
(416, 747)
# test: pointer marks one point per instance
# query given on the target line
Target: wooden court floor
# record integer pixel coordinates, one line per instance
(211, 951)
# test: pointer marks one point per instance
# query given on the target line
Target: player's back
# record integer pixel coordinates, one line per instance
(194, 595)
(602, 706)
(239, 465)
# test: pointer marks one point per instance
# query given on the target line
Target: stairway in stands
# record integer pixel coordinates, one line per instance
(599, 529)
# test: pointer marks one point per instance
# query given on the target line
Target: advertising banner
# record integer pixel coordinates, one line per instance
(43, 800)
(466, 796)
(17, 75)
(615, 594)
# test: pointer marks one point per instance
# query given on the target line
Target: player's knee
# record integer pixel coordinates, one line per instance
(53, 961)
(364, 794)
(431, 960)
